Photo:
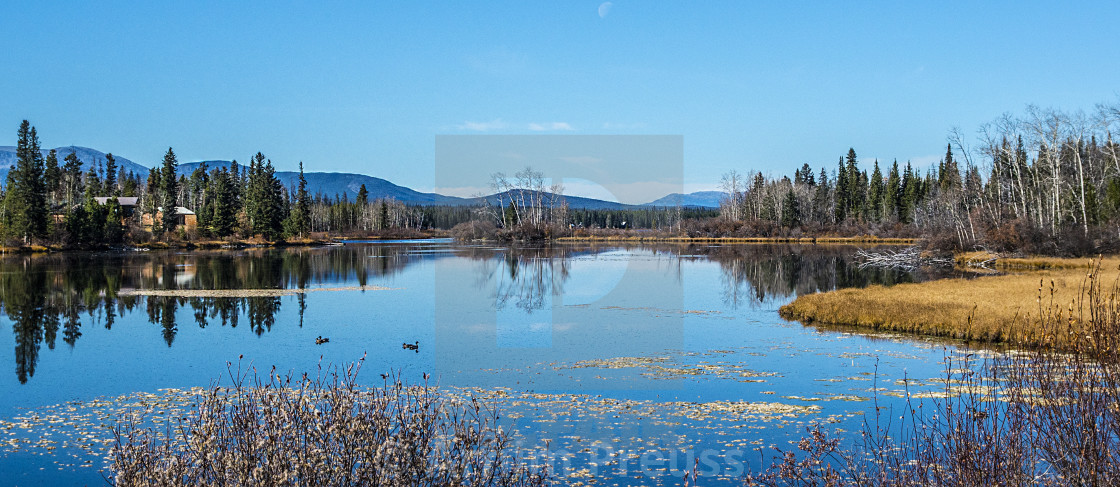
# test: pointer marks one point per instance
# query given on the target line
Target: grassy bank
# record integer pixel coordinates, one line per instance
(866, 239)
(993, 309)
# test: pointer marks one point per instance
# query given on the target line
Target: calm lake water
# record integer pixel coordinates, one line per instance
(624, 361)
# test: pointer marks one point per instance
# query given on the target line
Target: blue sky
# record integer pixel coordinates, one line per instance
(366, 86)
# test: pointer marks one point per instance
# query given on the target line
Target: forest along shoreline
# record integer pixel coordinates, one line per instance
(620, 237)
(1002, 308)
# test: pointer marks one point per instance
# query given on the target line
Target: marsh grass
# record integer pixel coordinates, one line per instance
(990, 309)
(323, 430)
(1030, 417)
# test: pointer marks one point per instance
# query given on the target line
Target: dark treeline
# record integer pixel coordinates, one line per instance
(1045, 182)
(51, 202)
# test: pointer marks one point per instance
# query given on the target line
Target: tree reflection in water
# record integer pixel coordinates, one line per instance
(41, 294)
(751, 274)
(44, 294)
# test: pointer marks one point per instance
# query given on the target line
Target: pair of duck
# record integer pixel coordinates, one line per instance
(405, 346)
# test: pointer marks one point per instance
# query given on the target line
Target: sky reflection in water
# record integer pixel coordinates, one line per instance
(605, 352)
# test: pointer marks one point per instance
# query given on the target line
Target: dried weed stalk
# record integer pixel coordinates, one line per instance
(324, 430)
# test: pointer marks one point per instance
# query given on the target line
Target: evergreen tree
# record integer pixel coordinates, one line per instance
(856, 187)
(363, 194)
(875, 194)
(110, 176)
(807, 175)
(113, 231)
(26, 214)
(151, 199)
(93, 224)
(263, 199)
(892, 193)
(821, 199)
(299, 220)
(911, 187)
(75, 224)
(52, 178)
(72, 173)
(93, 183)
(223, 206)
(169, 190)
(130, 184)
(949, 177)
(842, 189)
(791, 210)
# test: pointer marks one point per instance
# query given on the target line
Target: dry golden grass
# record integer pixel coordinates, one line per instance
(996, 309)
(816, 240)
(1035, 262)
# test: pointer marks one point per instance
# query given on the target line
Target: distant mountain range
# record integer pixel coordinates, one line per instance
(341, 183)
(348, 184)
(85, 154)
(699, 199)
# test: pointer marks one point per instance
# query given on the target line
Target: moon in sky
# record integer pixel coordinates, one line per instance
(604, 9)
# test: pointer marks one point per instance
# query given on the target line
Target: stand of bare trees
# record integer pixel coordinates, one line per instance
(1044, 174)
(525, 205)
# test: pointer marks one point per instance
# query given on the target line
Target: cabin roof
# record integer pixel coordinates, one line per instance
(122, 200)
(179, 210)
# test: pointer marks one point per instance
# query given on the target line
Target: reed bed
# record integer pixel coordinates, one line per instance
(323, 431)
(989, 309)
(1027, 417)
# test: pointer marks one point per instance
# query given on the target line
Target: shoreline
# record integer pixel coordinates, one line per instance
(1004, 309)
(235, 244)
(308, 242)
(867, 239)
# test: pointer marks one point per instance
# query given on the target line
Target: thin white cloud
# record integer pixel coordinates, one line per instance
(496, 124)
(604, 9)
(550, 126)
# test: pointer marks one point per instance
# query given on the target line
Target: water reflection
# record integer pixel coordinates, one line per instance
(45, 296)
(41, 294)
(756, 274)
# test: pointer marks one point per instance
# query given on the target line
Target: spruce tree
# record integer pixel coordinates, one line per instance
(110, 187)
(92, 183)
(791, 210)
(856, 185)
(298, 221)
(363, 194)
(72, 173)
(169, 190)
(26, 214)
(875, 194)
(263, 202)
(52, 178)
(892, 193)
(842, 188)
(821, 198)
(222, 205)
